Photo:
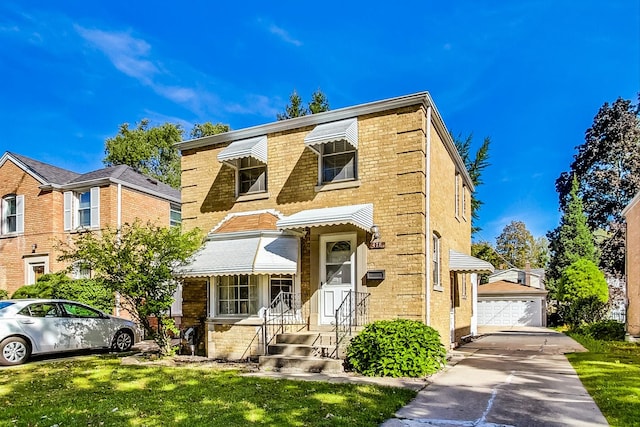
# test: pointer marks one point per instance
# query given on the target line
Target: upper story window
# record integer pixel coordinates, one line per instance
(338, 162)
(12, 211)
(336, 145)
(175, 215)
(457, 191)
(437, 279)
(464, 201)
(82, 209)
(252, 176)
(249, 159)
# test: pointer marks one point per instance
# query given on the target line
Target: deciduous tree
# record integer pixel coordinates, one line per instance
(139, 261)
(607, 167)
(208, 129)
(149, 150)
(517, 246)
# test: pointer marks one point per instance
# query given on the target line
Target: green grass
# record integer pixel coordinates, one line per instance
(610, 371)
(99, 391)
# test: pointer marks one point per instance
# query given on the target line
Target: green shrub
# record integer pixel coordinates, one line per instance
(396, 348)
(582, 279)
(4, 294)
(605, 330)
(60, 286)
(584, 311)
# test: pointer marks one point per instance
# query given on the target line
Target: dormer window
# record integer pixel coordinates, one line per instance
(336, 145)
(249, 159)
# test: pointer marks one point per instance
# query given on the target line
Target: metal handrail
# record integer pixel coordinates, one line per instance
(353, 311)
(285, 309)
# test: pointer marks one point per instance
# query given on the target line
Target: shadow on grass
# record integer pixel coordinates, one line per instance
(101, 392)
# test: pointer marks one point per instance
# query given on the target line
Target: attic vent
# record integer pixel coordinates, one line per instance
(153, 181)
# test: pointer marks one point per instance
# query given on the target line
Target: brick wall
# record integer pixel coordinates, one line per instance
(391, 172)
(44, 222)
(633, 270)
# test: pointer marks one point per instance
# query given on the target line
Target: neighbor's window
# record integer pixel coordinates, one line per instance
(82, 209)
(252, 176)
(437, 283)
(282, 284)
(338, 162)
(9, 214)
(237, 295)
(175, 215)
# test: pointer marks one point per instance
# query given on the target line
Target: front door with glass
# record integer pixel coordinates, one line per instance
(337, 273)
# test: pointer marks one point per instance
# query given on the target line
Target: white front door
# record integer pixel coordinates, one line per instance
(337, 273)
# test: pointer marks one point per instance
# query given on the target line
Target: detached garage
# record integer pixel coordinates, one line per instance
(504, 303)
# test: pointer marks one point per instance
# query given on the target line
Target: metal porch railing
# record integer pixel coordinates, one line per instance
(352, 312)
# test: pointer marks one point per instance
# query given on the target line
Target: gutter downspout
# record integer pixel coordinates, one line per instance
(427, 221)
(118, 226)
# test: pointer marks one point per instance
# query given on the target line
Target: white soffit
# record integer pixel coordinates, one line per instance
(252, 147)
(249, 255)
(358, 215)
(346, 130)
(467, 264)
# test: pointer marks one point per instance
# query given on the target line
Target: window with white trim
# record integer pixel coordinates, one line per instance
(252, 176)
(338, 162)
(464, 286)
(175, 215)
(12, 210)
(457, 191)
(437, 280)
(464, 201)
(278, 284)
(237, 295)
(82, 209)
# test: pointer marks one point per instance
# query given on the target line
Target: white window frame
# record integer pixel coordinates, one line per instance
(216, 300)
(175, 208)
(18, 201)
(464, 201)
(253, 165)
(457, 193)
(321, 162)
(30, 263)
(437, 263)
(463, 291)
(71, 204)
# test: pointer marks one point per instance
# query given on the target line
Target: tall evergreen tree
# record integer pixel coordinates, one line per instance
(607, 167)
(295, 108)
(571, 240)
(319, 103)
(475, 165)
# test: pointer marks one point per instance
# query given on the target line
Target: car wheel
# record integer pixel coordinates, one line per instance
(123, 341)
(14, 351)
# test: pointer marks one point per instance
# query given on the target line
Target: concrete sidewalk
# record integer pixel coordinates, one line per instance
(509, 378)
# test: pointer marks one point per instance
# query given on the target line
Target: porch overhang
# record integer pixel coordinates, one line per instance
(342, 130)
(360, 216)
(245, 253)
(463, 263)
(252, 147)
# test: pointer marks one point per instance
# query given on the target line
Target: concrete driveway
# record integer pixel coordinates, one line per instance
(508, 377)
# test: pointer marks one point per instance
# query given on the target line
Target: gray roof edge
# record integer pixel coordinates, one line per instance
(12, 156)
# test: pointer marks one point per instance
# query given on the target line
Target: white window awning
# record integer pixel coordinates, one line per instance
(252, 147)
(463, 263)
(360, 216)
(266, 253)
(343, 130)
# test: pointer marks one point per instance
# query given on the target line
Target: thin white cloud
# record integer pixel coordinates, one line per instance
(126, 53)
(284, 35)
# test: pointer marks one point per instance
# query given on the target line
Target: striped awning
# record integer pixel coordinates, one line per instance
(360, 216)
(264, 253)
(463, 263)
(252, 147)
(346, 130)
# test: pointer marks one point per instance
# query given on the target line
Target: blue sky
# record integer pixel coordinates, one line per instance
(529, 74)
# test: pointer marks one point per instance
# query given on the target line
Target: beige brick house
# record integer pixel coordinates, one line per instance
(42, 204)
(632, 264)
(365, 206)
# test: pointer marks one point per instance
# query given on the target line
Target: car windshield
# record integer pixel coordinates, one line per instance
(4, 304)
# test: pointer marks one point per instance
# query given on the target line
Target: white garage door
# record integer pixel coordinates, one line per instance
(510, 312)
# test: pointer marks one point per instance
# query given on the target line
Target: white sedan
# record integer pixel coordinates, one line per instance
(40, 326)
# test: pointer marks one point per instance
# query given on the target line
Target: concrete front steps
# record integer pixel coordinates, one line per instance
(302, 351)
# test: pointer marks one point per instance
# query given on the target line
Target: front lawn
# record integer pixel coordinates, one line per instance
(610, 371)
(99, 391)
